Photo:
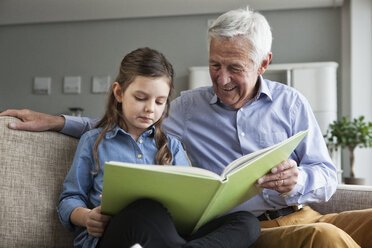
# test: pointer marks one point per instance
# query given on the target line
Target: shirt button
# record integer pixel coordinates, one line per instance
(139, 156)
(140, 141)
(243, 134)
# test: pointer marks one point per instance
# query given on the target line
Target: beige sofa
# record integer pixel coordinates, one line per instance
(33, 167)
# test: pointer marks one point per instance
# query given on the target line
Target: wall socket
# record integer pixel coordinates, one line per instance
(71, 85)
(100, 84)
(42, 85)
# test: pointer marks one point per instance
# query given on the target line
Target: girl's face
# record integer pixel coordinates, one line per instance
(143, 102)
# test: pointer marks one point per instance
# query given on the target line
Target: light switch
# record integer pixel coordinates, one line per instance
(100, 84)
(71, 85)
(42, 85)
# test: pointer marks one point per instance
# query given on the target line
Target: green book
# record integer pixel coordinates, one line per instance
(192, 195)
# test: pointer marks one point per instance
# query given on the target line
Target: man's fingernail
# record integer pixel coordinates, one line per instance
(12, 125)
(274, 170)
(259, 181)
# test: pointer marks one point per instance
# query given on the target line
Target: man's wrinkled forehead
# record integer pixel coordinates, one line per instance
(232, 49)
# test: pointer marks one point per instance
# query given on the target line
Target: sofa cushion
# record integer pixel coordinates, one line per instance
(346, 198)
(33, 167)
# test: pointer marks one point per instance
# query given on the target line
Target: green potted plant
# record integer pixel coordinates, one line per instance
(346, 133)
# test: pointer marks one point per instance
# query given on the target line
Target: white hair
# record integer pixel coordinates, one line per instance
(248, 24)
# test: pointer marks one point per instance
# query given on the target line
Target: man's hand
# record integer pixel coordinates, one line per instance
(282, 178)
(96, 222)
(34, 121)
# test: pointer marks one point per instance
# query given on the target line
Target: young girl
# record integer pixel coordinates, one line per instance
(130, 131)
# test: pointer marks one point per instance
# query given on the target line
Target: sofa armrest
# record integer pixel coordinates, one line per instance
(347, 197)
(33, 167)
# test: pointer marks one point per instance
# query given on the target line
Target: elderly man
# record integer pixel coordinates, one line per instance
(243, 113)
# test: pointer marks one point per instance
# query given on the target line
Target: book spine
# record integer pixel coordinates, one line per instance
(206, 216)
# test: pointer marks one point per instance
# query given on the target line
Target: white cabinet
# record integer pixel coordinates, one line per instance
(316, 81)
(199, 77)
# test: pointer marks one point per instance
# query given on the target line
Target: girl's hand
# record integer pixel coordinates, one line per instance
(96, 222)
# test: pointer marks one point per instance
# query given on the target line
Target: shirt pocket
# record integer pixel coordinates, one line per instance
(272, 138)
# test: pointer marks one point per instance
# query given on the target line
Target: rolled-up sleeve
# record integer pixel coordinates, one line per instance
(76, 126)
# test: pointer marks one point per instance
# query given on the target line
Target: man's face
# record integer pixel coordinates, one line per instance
(233, 74)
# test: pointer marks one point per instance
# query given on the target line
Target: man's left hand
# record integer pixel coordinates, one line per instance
(282, 178)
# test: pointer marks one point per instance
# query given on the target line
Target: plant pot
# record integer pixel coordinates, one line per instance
(355, 180)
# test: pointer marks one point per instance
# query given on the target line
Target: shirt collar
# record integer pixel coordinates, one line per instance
(113, 132)
(264, 89)
(214, 99)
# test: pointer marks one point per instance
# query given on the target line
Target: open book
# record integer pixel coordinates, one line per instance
(192, 195)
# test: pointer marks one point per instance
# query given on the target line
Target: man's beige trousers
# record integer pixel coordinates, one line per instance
(308, 228)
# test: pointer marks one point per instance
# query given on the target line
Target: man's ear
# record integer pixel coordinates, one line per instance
(116, 89)
(265, 63)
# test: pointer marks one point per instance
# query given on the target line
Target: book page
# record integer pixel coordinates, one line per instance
(242, 161)
(195, 171)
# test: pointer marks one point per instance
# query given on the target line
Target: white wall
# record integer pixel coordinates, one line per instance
(361, 76)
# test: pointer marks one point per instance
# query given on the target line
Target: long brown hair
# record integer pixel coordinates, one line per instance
(145, 62)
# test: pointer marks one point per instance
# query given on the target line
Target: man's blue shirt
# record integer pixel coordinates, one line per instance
(83, 186)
